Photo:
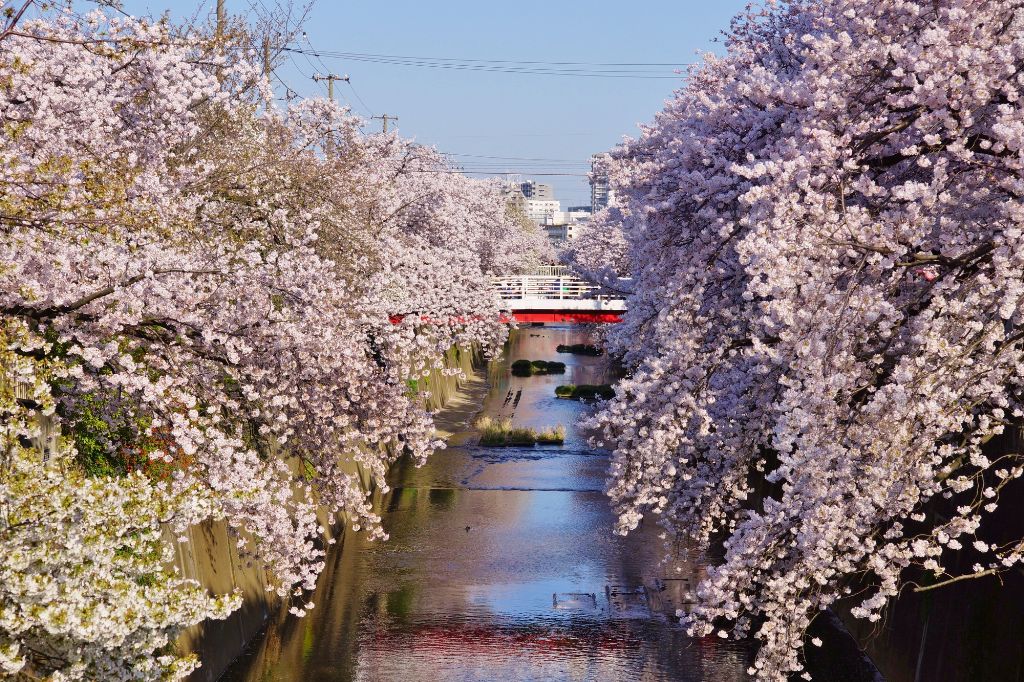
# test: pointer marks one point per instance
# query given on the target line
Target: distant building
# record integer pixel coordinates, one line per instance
(576, 215)
(565, 217)
(601, 193)
(514, 195)
(560, 233)
(540, 206)
(542, 210)
(538, 191)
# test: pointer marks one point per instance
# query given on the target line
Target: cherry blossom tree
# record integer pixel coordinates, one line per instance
(600, 251)
(824, 227)
(200, 291)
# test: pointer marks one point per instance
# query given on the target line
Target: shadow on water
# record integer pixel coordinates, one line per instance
(501, 565)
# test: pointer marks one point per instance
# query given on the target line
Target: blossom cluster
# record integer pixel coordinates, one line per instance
(825, 228)
(234, 295)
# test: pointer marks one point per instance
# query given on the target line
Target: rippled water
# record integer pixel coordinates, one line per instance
(502, 565)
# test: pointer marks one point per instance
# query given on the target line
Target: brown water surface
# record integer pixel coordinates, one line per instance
(501, 565)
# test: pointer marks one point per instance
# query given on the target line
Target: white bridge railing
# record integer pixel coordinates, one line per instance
(556, 292)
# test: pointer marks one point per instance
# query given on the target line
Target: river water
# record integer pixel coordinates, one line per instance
(501, 565)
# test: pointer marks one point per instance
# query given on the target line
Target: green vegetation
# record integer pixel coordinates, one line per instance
(526, 368)
(585, 392)
(580, 349)
(552, 436)
(502, 434)
(113, 438)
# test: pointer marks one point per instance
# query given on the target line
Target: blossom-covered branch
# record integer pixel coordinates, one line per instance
(825, 231)
(197, 293)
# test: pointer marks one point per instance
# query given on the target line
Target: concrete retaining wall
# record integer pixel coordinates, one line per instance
(970, 631)
(211, 557)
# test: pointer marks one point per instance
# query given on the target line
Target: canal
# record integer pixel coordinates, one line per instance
(501, 565)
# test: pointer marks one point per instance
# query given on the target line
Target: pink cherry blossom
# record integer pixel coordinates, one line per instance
(824, 228)
(204, 273)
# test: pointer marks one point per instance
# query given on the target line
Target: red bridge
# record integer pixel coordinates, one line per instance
(554, 295)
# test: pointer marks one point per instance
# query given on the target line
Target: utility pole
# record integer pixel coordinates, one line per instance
(222, 18)
(330, 78)
(221, 31)
(385, 118)
(266, 56)
(267, 68)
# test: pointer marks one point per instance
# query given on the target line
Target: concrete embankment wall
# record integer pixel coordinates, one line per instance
(970, 631)
(211, 553)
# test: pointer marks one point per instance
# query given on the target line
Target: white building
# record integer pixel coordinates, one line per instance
(541, 210)
(561, 233)
(540, 206)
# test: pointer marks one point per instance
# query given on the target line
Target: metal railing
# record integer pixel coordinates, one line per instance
(552, 291)
(552, 271)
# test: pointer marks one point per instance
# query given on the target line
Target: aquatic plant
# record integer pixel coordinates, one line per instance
(525, 368)
(580, 349)
(495, 433)
(585, 391)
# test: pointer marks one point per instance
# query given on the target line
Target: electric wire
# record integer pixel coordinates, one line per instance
(366, 108)
(501, 61)
(326, 69)
(516, 158)
(499, 68)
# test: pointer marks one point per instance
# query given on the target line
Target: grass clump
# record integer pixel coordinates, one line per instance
(554, 436)
(495, 433)
(585, 392)
(526, 368)
(580, 349)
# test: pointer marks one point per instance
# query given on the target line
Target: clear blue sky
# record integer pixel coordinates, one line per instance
(499, 114)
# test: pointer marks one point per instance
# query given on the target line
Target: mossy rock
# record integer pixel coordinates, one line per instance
(522, 368)
(580, 349)
(585, 392)
(565, 391)
(525, 368)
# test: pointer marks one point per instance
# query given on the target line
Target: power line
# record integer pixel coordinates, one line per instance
(299, 68)
(289, 94)
(330, 79)
(488, 68)
(517, 158)
(502, 61)
(305, 37)
(367, 109)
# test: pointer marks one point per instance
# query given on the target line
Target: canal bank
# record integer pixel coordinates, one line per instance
(211, 554)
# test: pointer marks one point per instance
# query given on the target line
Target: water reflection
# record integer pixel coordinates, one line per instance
(501, 566)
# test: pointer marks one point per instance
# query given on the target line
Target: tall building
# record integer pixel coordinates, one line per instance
(535, 190)
(601, 193)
